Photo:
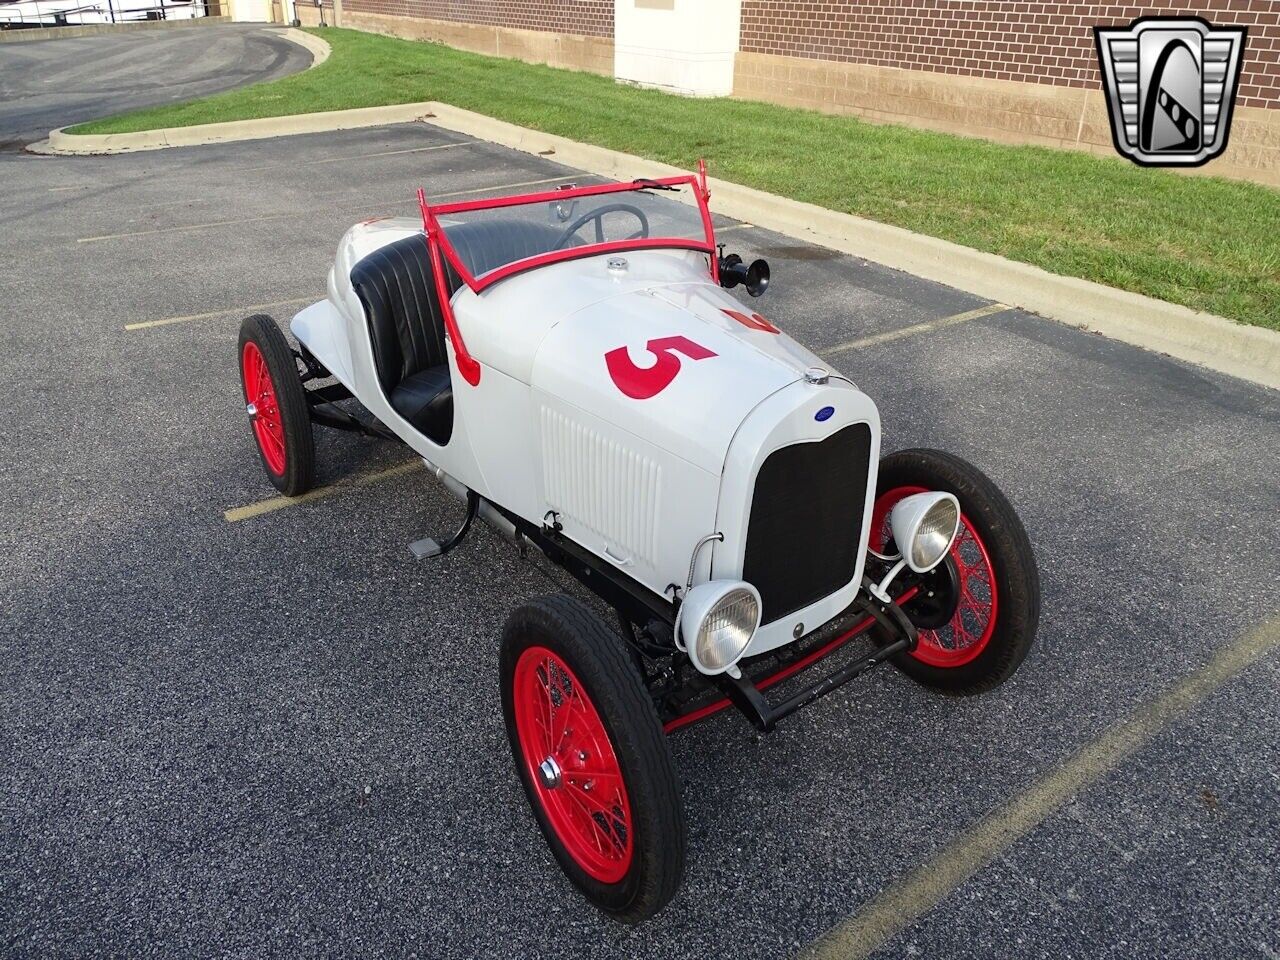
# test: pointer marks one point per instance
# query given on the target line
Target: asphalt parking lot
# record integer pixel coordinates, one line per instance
(55, 83)
(282, 735)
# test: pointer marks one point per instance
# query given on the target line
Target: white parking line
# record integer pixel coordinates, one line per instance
(911, 331)
(251, 308)
(902, 904)
(236, 514)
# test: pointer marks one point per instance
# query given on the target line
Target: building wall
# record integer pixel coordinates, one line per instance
(574, 34)
(1017, 72)
(590, 18)
(1030, 40)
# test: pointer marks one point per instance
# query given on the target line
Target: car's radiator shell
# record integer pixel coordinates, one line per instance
(805, 528)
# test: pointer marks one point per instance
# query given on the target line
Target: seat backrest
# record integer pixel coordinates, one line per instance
(397, 288)
(484, 245)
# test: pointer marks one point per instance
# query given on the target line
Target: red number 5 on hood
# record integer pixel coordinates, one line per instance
(641, 383)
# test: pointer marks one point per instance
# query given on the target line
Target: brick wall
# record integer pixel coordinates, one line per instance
(1032, 41)
(592, 18)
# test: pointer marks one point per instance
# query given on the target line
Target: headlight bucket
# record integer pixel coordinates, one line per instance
(717, 621)
(924, 527)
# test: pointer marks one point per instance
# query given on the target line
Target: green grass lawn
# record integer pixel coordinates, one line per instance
(1207, 243)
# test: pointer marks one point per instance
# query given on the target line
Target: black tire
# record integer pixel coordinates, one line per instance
(1017, 581)
(594, 654)
(297, 472)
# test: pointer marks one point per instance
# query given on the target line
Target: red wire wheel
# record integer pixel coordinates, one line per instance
(970, 628)
(261, 395)
(276, 404)
(980, 624)
(570, 759)
(592, 756)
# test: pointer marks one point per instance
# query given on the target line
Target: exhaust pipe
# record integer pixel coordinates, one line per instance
(485, 511)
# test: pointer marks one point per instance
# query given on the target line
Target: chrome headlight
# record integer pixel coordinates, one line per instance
(924, 527)
(717, 621)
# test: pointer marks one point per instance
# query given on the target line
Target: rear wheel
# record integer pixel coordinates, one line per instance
(592, 757)
(977, 612)
(277, 406)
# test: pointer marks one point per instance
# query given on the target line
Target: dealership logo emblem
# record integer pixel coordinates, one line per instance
(1170, 85)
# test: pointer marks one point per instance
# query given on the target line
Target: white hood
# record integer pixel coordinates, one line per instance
(712, 367)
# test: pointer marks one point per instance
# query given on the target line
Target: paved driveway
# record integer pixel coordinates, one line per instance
(281, 736)
(54, 83)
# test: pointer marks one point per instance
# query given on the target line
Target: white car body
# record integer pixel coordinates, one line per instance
(547, 429)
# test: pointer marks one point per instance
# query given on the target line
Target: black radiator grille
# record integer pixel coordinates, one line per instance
(806, 520)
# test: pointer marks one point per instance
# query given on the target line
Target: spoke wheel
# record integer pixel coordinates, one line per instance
(276, 404)
(260, 394)
(592, 757)
(569, 757)
(990, 591)
(976, 606)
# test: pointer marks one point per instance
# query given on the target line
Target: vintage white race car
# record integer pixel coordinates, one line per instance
(571, 365)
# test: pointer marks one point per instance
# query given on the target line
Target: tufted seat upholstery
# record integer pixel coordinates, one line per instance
(397, 288)
(485, 245)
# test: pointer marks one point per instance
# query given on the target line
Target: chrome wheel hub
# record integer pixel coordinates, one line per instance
(549, 773)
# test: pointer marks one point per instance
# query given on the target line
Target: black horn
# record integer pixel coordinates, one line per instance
(755, 277)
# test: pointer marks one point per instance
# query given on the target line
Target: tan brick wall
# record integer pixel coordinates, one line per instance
(568, 50)
(1009, 111)
(1031, 41)
(589, 18)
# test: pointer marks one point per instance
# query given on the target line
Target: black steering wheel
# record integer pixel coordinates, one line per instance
(598, 215)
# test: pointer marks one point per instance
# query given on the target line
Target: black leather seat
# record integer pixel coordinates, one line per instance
(396, 285)
(485, 245)
(397, 288)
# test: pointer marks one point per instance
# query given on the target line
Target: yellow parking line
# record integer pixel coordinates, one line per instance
(185, 228)
(363, 205)
(251, 308)
(347, 158)
(237, 514)
(911, 331)
(902, 904)
(434, 197)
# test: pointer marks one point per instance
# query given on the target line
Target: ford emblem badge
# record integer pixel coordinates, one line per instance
(824, 414)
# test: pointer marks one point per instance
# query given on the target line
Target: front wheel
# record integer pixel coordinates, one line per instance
(978, 610)
(592, 757)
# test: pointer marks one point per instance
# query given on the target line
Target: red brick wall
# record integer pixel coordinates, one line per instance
(592, 18)
(1029, 41)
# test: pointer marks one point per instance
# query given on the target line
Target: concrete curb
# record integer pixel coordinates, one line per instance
(1250, 353)
(320, 49)
(97, 29)
(64, 144)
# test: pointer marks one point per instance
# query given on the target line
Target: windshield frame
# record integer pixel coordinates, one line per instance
(438, 238)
